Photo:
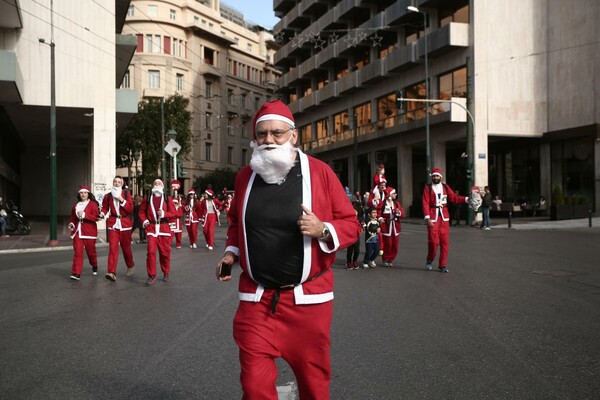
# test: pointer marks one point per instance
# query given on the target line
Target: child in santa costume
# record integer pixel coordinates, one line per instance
(156, 212)
(176, 222)
(391, 214)
(436, 197)
(209, 215)
(84, 231)
(192, 213)
(289, 216)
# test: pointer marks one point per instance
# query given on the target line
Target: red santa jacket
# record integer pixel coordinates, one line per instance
(85, 228)
(322, 193)
(176, 221)
(192, 211)
(438, 205)
(204, 208)
(149, 212)
(124, 214)
(391, 213)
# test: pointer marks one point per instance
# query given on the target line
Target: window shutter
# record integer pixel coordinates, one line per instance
(140, 43)
(167, 46)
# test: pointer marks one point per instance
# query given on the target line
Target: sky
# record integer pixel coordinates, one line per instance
(257, 11)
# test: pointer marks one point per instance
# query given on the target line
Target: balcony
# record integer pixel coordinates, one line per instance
(395, 13)
(447, 38)
(350, 83)
(309, 101)
(374, 72)
(403, 58)
(210, 70)
(328, 93)
(11, 79)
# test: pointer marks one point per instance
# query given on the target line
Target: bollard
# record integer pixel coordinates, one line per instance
(590, 218)
(509, 219)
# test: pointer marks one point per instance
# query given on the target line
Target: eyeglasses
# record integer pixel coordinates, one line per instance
(277, 133)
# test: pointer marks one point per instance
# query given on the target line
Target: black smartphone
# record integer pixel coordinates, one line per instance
(225, 269)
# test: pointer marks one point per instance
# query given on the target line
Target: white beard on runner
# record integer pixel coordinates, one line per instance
(272, 162)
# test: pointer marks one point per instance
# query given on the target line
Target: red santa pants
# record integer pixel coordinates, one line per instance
(177, 236)
(300, 334)
(390, 247)
(209, 229)
(438, 234)
(163, 245)
(192, 231)
(90, 248)
(115, 238)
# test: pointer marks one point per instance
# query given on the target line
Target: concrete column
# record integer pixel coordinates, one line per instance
(405, 180)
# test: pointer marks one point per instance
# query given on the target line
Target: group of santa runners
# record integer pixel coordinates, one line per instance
(162, 218)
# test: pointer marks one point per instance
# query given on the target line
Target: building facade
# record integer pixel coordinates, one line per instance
(526, 71)
(206, 52)
(91, 57)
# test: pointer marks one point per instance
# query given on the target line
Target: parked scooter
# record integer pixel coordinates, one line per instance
(16, 223)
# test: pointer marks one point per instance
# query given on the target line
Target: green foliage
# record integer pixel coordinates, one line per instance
(557, 196)
(218, 179)
(143, 134)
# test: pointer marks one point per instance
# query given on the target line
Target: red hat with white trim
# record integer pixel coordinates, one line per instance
(273, 111)
(191, 191)
(84, 189)
(436, 171)
(209, 192)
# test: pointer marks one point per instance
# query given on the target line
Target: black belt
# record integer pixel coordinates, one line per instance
(288, 287)
(437, 207)
(159, 222)
(121, 217)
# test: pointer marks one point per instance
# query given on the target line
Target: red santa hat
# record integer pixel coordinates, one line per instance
(209, 192)
(84, 189)
(436, 171)
(273, 111)
(191, 191)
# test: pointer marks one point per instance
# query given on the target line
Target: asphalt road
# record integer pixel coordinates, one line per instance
(516, 318)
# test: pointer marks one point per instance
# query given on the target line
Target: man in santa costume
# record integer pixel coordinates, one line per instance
(84, 231)
(156, 212)
(118, 205)
(289, 216)
(391, 213)
(209, 215)
(192, 210)
(436, 197)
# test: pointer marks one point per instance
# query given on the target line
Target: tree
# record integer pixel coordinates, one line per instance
(143, 134)
(218, 179)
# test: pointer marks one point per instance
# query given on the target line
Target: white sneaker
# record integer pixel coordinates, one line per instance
(487, 228)
(194, 246)
(366, 266)
(129, 272)
(210, 247)
(428, 266)
(372, 264)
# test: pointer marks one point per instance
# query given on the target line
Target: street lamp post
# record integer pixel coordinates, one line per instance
(427, 143)
(53, 239)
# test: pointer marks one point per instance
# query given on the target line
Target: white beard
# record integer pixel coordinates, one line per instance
(157, 190)
(116, 191)
(272, 165)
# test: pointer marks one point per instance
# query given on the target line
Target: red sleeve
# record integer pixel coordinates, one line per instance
(426, 201)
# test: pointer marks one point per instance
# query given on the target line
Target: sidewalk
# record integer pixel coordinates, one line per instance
(37, 240)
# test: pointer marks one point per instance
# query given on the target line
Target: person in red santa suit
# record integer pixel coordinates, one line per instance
(176, 222)
(225, 207)
(192, 212)
(156, 212)
(118, 205)
(436, 197)
(378, 178)
(391, 214)
(377, 199)
(84, 231)
(209, 214)
(289, 216)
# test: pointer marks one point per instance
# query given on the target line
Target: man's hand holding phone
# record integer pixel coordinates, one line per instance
(224, 266)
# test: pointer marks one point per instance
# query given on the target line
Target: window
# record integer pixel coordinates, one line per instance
(153, 44)
(340, 123)
(208, 90)
(453, 84)
(173, 15)
(131, 10)
(244, 95)
(230, 96)
(306, 133)
(208, 152)
(179, 82)
(196, 19)
(244, 129)
(386, 107)
(154, 79)
(126, 84)
(207, 120)
(363, 114)
(229, 155)
(178, 47)
(415, 110)
(152, 11)
(460, 15)
(248, 47)
(321, 127)
(209, 56)
(244, 156)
